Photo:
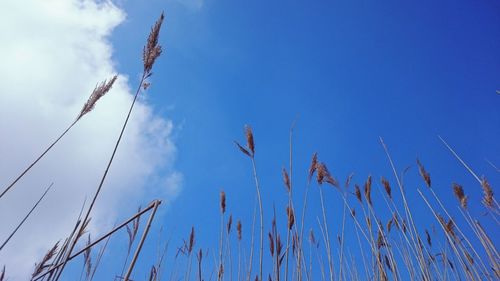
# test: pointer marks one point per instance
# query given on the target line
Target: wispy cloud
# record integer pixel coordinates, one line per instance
(192, 4)
(56, 53)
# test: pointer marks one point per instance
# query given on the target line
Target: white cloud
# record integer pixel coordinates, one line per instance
(53, 53)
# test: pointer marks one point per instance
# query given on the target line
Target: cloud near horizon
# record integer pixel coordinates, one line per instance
(53, 54)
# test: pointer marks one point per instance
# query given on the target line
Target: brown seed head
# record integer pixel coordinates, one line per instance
(488, 193)
(387, 187)
(313, 166)
(459, 193)
(450, 228)
(428, 237)
(222, 202)
(357, 192)
(271, 244)
(389, 225)
(229, 223)
(250, 142)
(380, 240)
(39, 267)
(238, 229)
(425, 175)
(191, 240)
(323, 175)
(279, 245)
(99, 91)
(368, 190)
(291, 217)
(286, 180)
(152, 50)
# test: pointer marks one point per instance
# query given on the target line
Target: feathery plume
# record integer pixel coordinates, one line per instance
(152, 50)
(459, 193)
(425, 175)
(291, 217)
(286, 180)
(312, 167)
(99, 91)
(357, 192)
(39, 267)
(271, 244)
(222, 202)
(428, 237)
(229, 224)
(238, 228)
(488, 193)
(368, 190)
(250, 142)
(323, 175)
(191, 240)
(387, 187)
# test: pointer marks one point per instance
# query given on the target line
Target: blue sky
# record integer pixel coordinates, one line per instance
(346, 72)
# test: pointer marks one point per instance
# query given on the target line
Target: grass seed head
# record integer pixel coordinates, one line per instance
(229, 224)
(39, 267)
(99, 91)
(357, 192)
(387, 187)
(488, 193)
(424, 174)
(152, 50)
(271, 244)
(222, 202)
(291, 217)
(191, 240)
(250, 141)
(313, 166)
(428, 237)
(368, 190)
(286, 180)
(458, 190)
(238, 229)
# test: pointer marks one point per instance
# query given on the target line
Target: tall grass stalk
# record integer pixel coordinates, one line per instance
(25, 217)
(151, 52)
